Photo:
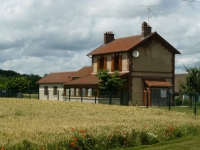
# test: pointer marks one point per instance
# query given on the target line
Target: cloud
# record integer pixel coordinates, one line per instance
(54, 35)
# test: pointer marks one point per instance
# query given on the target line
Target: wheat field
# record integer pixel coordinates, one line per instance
(42, 121)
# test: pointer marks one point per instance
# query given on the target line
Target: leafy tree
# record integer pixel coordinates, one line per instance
(33, 78)
(2, 86)
(18, 83)
(192, 81)
(6, 75)
(109, 82)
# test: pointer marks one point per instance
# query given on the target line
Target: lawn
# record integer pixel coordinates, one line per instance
(189, 143)
(184, 109)
(42, 122)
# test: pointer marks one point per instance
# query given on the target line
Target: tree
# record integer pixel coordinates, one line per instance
(192, 81)
(6, 75)
(18, 83)
(109, 82)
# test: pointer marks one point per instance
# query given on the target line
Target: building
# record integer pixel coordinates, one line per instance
(146, 61)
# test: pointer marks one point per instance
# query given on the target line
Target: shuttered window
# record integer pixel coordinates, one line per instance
(55, 90)
(116, 63)
(101, 63)
(46, 90)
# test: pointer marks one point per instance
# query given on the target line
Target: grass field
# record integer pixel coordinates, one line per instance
(184, 109)
(43, 122)
(188, 143)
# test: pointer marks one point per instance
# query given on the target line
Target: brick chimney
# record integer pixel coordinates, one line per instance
(146, 30)
(108, 37)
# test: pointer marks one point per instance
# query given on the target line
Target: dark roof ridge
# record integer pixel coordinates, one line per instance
(127, 37)
(64, 72)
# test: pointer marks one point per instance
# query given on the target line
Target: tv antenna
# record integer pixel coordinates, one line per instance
(148, 8)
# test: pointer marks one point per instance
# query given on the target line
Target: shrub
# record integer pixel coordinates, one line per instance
(186, 102)
(148, 138)
(198, 104)
(83, 140)
(178, 101)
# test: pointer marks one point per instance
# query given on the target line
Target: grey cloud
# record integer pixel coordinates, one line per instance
(55, 32)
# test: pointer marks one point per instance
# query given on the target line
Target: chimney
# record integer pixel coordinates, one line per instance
(108, 37)
(146, 30)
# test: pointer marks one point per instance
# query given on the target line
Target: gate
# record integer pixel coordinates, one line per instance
(159, 97)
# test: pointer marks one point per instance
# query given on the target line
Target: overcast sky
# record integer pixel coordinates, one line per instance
(44, 36)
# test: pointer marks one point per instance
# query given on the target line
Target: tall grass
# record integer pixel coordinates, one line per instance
(43, 122)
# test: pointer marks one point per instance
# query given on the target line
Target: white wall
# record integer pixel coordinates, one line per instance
(50, 89)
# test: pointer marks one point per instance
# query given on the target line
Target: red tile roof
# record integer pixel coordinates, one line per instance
(91, 79)
(118, 45)
(157, 83)
(60, 77)
(126, 43)
(87, 70)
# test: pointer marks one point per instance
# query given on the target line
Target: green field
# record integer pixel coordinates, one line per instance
(184, 109)
(42, 123)
(189, 143)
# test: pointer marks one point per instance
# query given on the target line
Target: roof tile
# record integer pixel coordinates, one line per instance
(91, 79)
(59, 77)
(83, 72)
(157, 83)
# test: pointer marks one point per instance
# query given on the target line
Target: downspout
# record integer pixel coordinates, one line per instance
(130, 76)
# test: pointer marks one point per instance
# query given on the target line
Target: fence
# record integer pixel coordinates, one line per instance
(31, 94)
(111, 98)
(184, 102)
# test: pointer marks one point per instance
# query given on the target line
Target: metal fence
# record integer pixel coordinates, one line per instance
(31, 94)
(108, 97)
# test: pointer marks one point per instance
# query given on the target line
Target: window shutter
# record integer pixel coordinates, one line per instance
(105, 62)
(120, 63)
(112, 64)
(98, 64)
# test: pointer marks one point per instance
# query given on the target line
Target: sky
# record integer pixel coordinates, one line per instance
(44, 36)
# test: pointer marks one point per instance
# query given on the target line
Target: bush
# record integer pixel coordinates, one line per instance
(198, 104)
(83, 140)
(186, 102)
(178, 101)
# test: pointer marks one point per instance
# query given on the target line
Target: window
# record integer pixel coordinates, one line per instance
(55, 90)
(46, 90)
(116, 62)
(101, 63)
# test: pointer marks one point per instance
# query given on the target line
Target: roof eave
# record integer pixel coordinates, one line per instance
(153, 34)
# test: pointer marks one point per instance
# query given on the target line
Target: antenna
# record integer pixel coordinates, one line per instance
(148, 8)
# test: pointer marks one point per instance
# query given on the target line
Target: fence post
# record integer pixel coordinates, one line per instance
(121, 100)
(69, 93)
(95, 97)
(147, 99)
(195, 100)
(47, 94)
(29, 94)
(58, 95)
(169, 100)
(110, 99)
(39, 94)
(81, 95)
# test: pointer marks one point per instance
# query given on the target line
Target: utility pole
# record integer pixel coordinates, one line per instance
(148, 8)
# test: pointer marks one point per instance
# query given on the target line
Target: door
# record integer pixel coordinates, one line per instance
(159, 97)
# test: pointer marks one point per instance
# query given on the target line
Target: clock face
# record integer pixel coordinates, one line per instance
(135, 54)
